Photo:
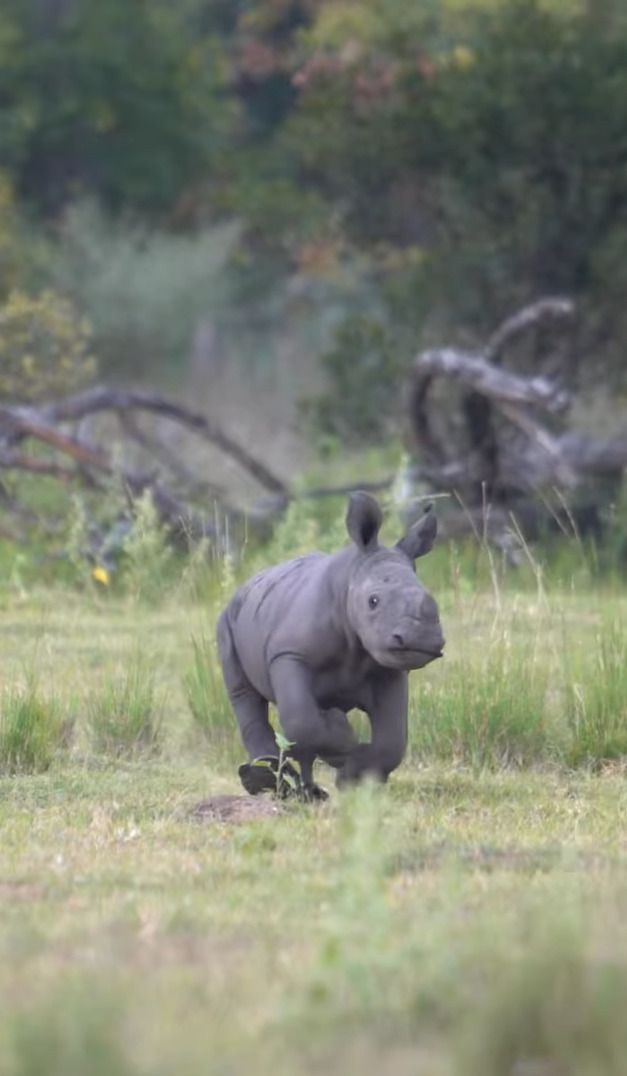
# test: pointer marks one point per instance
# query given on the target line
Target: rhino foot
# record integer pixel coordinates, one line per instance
(262, 775)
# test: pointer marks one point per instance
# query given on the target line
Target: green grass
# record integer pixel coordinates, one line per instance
(207, 698)
(596, 695)
(31, 730)
(492, 710)
(124, 714)
(466, 918)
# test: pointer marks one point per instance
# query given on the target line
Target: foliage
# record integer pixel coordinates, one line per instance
(147, 551)
(23, 252)
(44, 347)
(31, 730)
(481, 161)
(143, 290)
(106, 98)
(364, 371)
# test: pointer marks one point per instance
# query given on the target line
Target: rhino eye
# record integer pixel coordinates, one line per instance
(373, 601)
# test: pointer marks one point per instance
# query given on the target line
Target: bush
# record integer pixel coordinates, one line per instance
(44, 347)
(364, 370)
(143, 292)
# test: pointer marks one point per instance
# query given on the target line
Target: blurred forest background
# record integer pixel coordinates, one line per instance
(266, 208)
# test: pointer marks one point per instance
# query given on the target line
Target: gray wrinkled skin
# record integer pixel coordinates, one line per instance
(321, 635)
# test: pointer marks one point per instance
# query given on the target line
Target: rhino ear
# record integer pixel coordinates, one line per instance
(420, 537)
(363, 520)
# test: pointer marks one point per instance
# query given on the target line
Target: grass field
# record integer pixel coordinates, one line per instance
(470, 917)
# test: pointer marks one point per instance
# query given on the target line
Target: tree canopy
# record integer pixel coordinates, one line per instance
(463, 156)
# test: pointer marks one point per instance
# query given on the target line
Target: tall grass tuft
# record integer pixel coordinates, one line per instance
(80, 1031)
(147, 553)
(31, 730)
(596, 699)
(125, 715)
(554, 1012)
(488, 712)
(207, 699)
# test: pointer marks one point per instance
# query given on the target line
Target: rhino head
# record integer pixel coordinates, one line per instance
(393, 615)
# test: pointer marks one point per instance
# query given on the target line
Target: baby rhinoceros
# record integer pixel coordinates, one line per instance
(321, 635)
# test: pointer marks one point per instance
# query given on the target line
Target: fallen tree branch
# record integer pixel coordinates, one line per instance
(476, 373)
(105, 398)
(542, 312)
(171, 461)
(487, 463)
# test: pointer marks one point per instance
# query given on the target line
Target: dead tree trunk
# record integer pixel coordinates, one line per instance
(499, 442)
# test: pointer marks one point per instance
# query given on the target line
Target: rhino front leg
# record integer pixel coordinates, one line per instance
(336, 723)
(251, 709)
(387, 713)
(313, 732)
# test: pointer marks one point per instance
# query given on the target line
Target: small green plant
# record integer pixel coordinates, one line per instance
(77, 542)
(490, 713)
(596, 699)
(31, 730)
(296, 533)
(197, 573)
(356, 944)
(285, 772)
(125, 716)
(207, 698)
(147, 553)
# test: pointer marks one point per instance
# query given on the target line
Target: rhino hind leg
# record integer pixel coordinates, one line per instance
(251, 709)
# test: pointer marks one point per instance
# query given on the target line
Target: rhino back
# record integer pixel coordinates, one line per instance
(289, 608)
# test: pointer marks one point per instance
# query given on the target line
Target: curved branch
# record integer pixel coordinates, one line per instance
(545, 310)
(476, 373)
(104, 398)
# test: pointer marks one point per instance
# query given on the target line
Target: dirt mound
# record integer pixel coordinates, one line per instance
(236, 808)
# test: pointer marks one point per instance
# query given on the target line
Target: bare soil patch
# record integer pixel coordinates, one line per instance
(236, 808)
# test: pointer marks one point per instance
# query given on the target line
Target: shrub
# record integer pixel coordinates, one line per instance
(143, 292)
(146, 550)
(44, 347)
(364, 369)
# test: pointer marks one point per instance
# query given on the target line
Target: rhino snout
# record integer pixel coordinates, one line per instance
(431, 644)
(427, 644)
(419, 633)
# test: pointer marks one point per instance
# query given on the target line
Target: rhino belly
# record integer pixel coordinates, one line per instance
(333, 690)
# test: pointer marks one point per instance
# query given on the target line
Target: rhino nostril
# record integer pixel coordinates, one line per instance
(398, 639)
